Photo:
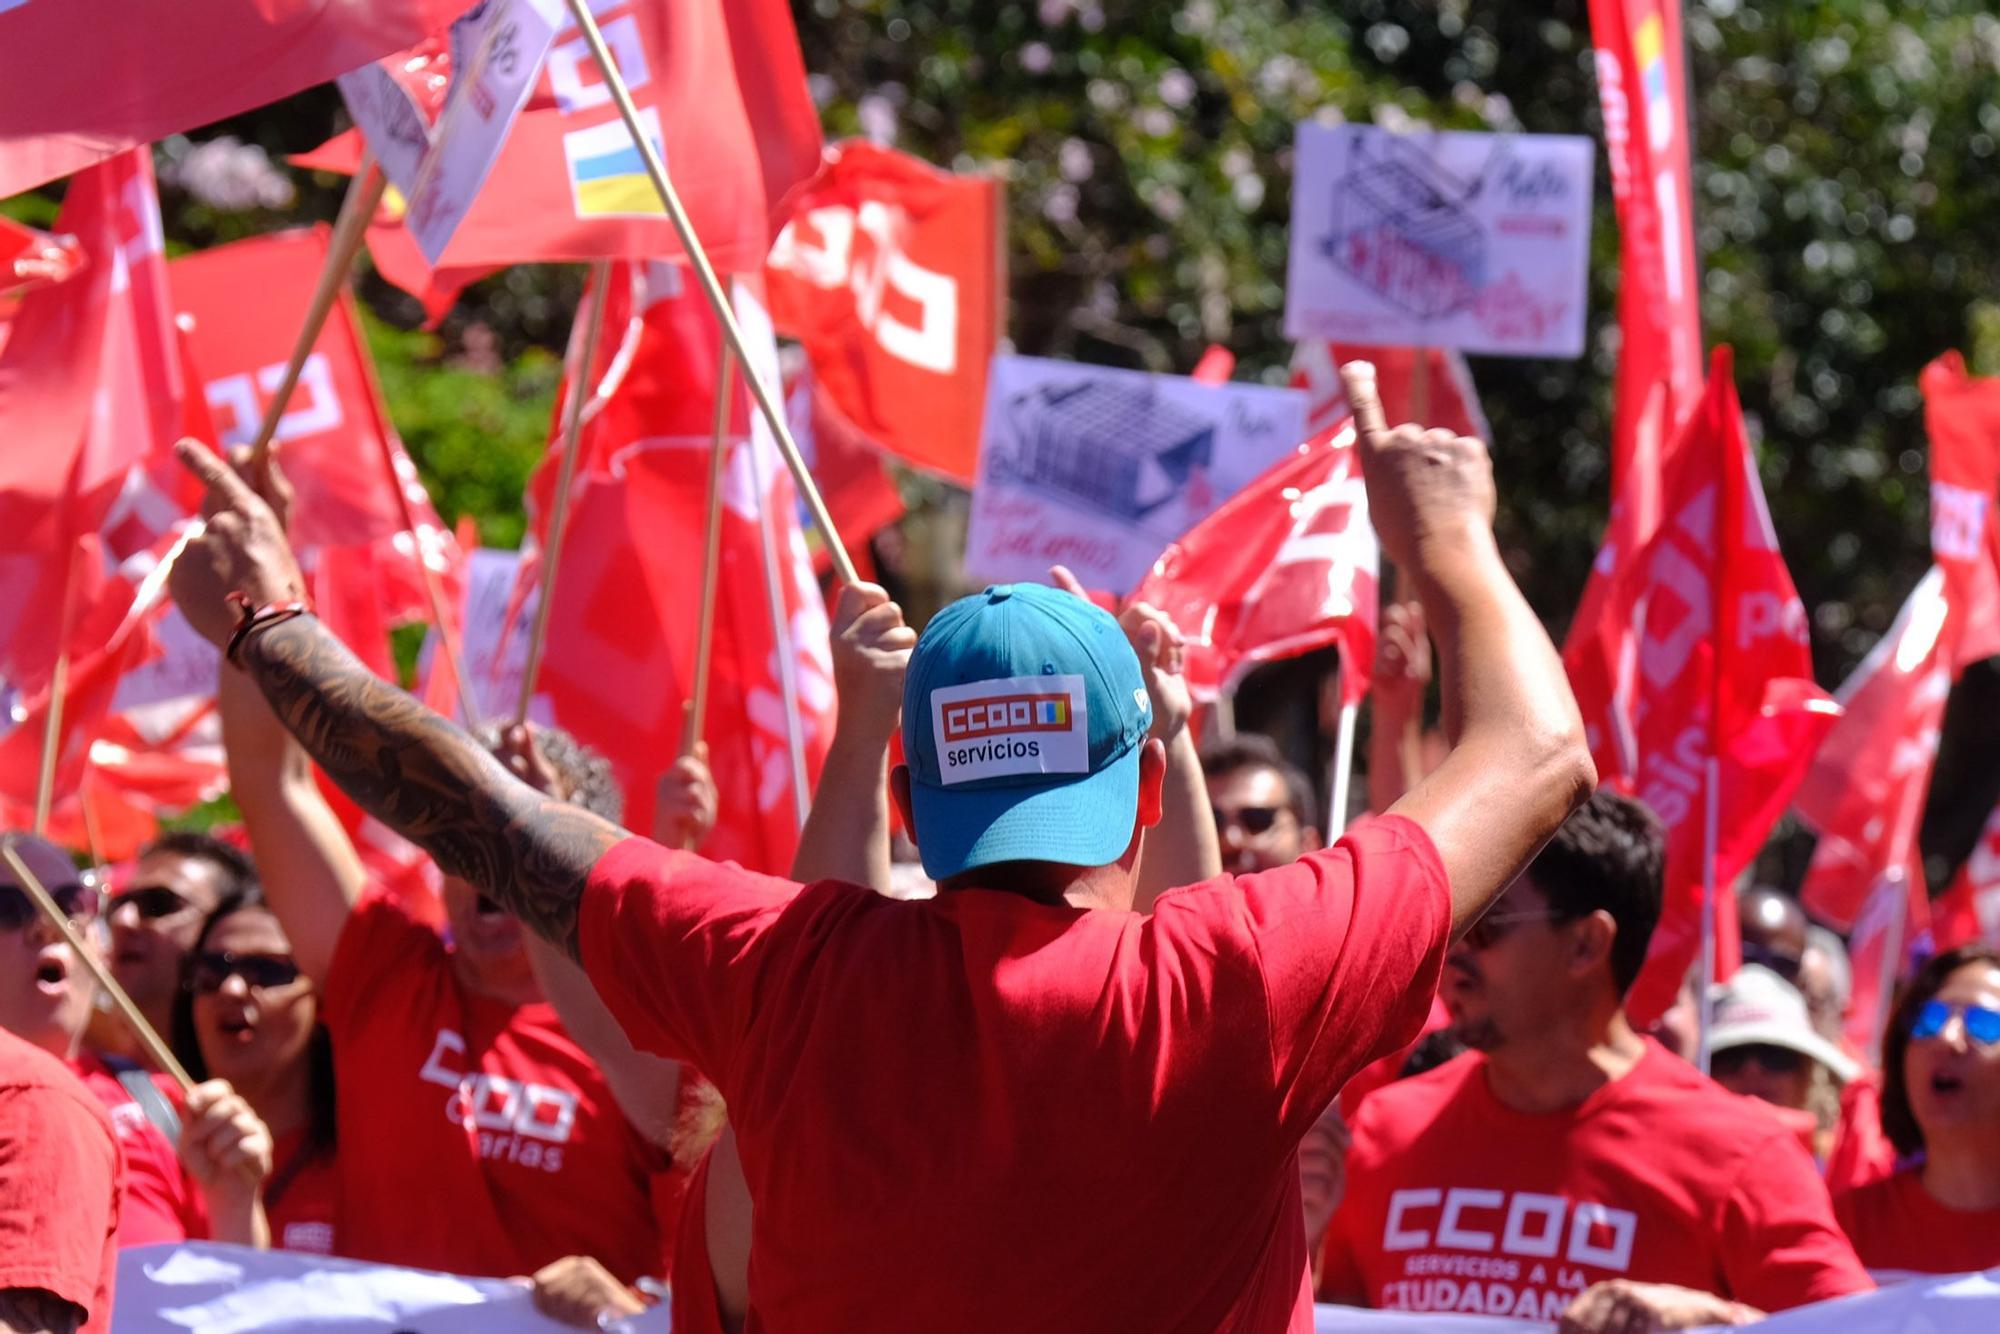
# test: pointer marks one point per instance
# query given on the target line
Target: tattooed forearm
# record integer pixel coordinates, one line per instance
(428, 780)
(37, 1311)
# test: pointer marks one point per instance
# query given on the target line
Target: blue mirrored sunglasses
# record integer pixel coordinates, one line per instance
(1982, 1023)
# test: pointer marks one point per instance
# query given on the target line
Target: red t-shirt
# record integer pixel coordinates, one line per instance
(1457, 1203)
(1861, 1150)
(696, 1309)
(302, 1196)
(1899, 1229)
(59, 1184)
(977, 1112)
(475, 1136)
(162, 1202)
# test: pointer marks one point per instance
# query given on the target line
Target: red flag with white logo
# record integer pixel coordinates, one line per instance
(846, 465)
(1865, 791)
(1725, 679)
(91, 389)
(620, 658)
(1643, 88)
(889, 273)
(1962, 414)
(721, 91)
(88, 78)
(1287, 565)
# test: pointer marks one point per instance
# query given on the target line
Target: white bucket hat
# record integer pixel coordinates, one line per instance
(1758, 1008)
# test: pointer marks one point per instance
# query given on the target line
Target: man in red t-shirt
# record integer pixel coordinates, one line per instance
(476, 1136)
(59, 1196)
(1567, 1166)
(1020, 1104)
(204, 1182)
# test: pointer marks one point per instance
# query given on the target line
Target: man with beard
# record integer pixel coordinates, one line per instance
(1567, 1167)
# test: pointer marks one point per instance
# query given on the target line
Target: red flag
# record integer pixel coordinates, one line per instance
(357, 496)
(87, 78)
(619, 660)
(91, 389)
(1865, 791)
(889, 273)
(1962, 414)
(1448, 397)
(860, 496)
(1726, 680)
(721, 86)
(31, 258)
(1286, 565)
(1644, 90)
(1970, 909)
(1891, 931)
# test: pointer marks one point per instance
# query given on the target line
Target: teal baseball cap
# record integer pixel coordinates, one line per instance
(1023, 714)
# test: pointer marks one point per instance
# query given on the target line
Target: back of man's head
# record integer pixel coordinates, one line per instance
(1024, 719)
(1608, 856)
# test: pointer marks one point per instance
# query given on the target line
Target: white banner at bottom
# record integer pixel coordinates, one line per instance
(222, 1289)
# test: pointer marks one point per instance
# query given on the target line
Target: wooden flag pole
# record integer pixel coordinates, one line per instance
(711, 561)
(711, 286)
(357, 210)
(580, 393)
(45, 782)
(162, 1055)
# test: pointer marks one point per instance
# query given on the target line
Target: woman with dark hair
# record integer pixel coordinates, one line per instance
(1941, 1103)
(246, 1013)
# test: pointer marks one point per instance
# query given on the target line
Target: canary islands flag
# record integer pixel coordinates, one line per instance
(607, 176)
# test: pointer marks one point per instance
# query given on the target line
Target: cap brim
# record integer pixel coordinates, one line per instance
(1085, 822)
(1842, 1066)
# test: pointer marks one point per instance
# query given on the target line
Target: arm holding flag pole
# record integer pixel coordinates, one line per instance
(711, 287)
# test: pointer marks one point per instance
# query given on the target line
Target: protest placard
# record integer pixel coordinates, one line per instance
(1479, 242)
(1098, 468)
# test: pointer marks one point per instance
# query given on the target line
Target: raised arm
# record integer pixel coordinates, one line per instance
(414, 771)
(1518, 764)
(846, 836)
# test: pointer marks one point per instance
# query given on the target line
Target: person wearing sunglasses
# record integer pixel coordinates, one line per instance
(1774, 931)
(177, 881)
(1578, 1171)
(1262, 803)
(193, 1167)
(1941, 1108)
(1762, 1044)
(245, 1013)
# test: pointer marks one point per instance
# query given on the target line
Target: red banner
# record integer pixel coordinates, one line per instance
(88, 78)
(1643, 86)
(1725, 676)
(721, 89)
(1287, 565)
(92, 387)
(889, 273)
(1962, 414)
(1864, 793)
(620, 658)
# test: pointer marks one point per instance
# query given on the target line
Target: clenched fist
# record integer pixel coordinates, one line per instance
(241, 549)
(871, 653)
(1424, 486)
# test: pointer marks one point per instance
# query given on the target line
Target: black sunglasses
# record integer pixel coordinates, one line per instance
(209, 970)
(79, 902)
(1777, 1060)
(152, 902)
(1254, 820)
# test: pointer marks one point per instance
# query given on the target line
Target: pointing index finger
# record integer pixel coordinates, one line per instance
(1363, 399)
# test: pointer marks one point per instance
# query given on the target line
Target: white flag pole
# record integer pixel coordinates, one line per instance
(711, 287)
(1343, 769)
(1710, 830)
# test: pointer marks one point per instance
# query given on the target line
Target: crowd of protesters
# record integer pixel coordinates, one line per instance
(1145, 1050)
